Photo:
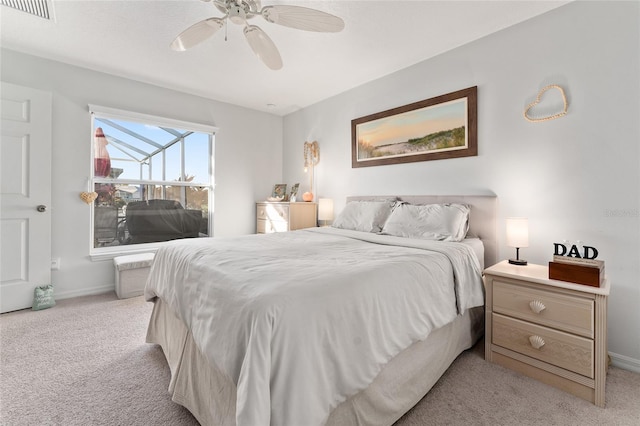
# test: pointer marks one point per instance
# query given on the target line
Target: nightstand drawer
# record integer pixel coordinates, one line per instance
(564, 350)
(268, 226)
(561, 311)
(273, 212)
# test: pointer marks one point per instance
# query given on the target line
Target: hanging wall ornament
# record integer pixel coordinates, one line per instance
(311, 158)
(529, 111)
(88, 197)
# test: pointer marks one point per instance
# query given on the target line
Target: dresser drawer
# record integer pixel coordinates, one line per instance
(272, 212)
(564, 350)
(560, 311)
(268, 226)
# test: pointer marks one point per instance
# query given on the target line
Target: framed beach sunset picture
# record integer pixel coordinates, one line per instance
(432, 129)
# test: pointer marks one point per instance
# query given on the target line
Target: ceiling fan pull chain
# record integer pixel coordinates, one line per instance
(226, 25)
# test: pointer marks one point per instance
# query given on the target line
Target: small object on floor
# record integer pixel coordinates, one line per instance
(131, 274)
(43, 297)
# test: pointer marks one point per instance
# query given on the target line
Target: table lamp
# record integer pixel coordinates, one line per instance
(325, 210)
(518, 237)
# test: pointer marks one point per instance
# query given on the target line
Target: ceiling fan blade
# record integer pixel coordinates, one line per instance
(196, 33)
(263, 47)
(302, 18)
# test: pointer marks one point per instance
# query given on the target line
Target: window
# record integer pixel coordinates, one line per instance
(153, 178)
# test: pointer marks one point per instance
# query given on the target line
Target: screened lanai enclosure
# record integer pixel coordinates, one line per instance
(153, 182)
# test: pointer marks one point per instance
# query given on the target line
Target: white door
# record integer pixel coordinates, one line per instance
(25, 194)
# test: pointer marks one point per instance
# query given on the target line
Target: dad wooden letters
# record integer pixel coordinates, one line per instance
(562, 250)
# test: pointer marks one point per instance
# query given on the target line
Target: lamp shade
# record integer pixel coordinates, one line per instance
(325, 209)
(517, 232)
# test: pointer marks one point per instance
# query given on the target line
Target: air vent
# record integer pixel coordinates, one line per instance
(34, 7)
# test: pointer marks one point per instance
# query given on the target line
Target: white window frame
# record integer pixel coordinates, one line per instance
(106, 253)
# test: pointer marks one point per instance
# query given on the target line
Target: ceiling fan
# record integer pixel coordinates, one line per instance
(241, 11)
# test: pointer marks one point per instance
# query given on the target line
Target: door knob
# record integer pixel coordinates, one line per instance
(41, 208)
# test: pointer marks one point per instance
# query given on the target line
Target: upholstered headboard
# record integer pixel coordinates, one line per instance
(482, 219)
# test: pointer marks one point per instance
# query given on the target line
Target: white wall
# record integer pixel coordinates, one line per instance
(575, 178)
(248, 158)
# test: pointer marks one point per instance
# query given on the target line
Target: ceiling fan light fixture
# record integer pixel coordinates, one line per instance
(237, 15)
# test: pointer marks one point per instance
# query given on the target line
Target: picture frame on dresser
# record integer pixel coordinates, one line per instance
(294, 193)
(279, 190)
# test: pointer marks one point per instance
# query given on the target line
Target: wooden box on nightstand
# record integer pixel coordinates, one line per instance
(284, 216)
(552, 331)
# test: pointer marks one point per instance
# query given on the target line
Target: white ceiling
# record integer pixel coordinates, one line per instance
(130, 38)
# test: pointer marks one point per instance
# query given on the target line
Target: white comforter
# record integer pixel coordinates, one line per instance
(302, 320)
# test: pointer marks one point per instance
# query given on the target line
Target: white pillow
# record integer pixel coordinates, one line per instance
(441, 222)
(366, 216)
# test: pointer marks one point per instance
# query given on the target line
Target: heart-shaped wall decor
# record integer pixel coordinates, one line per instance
(88, 197)
(528, 109)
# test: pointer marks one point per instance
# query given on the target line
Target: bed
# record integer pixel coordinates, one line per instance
(325, 325)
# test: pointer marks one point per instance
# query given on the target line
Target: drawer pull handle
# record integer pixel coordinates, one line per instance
(536, 341)
(537, 306)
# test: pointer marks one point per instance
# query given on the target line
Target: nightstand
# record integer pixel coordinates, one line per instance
(552, 331)
(284, 216)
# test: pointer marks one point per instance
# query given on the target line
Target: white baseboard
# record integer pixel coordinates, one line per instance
(90, 291)
(625, 362)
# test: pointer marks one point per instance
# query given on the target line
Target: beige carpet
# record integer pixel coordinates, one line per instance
(84, 362)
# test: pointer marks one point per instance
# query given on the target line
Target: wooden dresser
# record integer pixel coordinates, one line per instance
(284, 216)
(552, 331)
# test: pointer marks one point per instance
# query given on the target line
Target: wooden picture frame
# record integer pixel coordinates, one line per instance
(432, 129)
(279, 190)
(294, 192)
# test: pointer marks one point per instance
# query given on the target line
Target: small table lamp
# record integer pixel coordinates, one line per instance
(517, 236)
(325, 210)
